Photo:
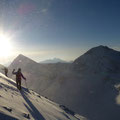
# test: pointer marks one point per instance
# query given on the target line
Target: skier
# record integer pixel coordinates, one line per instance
(19, 75)
(6, 71)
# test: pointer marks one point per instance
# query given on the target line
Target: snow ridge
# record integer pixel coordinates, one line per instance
(27, 104)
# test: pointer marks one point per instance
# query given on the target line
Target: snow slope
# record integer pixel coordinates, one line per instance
(86, 86)
(27, 104)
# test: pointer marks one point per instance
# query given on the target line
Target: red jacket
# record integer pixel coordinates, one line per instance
(19, 75)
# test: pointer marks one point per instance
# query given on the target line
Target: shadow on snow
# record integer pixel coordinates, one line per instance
(31, 108)
(6, 117)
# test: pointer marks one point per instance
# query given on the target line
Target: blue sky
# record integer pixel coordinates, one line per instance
(44, 29)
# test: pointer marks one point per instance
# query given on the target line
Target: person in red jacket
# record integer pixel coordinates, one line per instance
(19, 76)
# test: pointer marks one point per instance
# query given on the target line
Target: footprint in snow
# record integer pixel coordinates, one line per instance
(5, 89)
(39, 96)
(67, 110)
(26, 115)
(46, 97)
(7, 108)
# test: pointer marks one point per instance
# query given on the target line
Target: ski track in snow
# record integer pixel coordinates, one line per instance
(27, 104)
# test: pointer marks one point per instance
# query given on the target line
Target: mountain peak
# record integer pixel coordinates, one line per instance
(100, 58)
(102, 51)
(21, 55)
(21, 59)
(54, 60)
(102, 46)
(99, 48)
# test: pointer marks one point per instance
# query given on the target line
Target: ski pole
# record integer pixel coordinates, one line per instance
(25, 84)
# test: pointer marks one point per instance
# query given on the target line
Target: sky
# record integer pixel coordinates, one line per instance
(45, 29)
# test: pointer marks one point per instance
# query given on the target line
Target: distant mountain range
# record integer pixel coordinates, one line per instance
(54, 60)
(89, 85)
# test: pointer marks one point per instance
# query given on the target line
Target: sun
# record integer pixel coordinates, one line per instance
(5, 46)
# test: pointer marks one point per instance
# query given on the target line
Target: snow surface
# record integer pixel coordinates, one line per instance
(87, 86)
(27, 104)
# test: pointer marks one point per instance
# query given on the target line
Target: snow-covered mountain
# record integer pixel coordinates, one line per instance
(99, 59)
(37, 73)
(27, 104)
(88, 85)
(54, 60)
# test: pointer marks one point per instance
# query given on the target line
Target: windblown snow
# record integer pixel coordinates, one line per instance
(27, 104)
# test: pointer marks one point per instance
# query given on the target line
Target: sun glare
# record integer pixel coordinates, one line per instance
(5, 46)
